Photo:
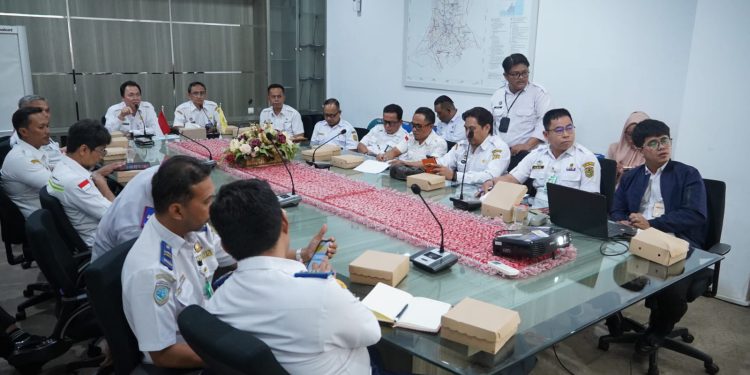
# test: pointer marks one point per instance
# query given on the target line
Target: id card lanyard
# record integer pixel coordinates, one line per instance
(505, 99)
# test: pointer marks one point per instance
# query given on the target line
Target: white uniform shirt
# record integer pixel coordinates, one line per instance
(84, 204)
(189, 116)
(125, 218)
(377, 139)
(52, 149)
(411, 150)
(652, 196)
(577, 167)
(25, 171)
(313, 326)
(131, 123)
(453, 130)
(161, 276)
(323, 132)
(486, 162)
(526, 113)
(288, 120)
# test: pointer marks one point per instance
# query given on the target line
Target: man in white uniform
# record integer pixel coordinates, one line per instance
(132, 115)
(84, 195)
(488, 155)
(332, 127)
(312, 325)
(421, 143)
(562, 161)
(449, 125)
(518, 107)
(381, 138)
(52, 149)
(197, 112)
(283, 117)
(26, 168)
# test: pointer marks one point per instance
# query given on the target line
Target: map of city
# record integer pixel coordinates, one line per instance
(459, 44)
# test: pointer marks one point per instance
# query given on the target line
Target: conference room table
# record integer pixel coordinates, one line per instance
(553, 305)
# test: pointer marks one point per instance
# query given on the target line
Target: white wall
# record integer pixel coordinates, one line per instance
(601, 60)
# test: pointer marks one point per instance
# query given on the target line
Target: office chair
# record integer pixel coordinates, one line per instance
(450, 144)
(225, 349)
(608, 180)
(69, 234)
(704, 282)
(75, 320)
(361, 133)
(376, 121)
(5, 148)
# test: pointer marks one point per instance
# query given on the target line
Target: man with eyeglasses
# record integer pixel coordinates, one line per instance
(198, 112)
(84, 195)
(333, 125)
(421, 143)
(561, 161)
(132, 115)
(381, 138)
(518, 107)
(669, 196)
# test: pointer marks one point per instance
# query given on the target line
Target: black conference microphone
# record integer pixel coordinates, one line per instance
(286, 199)
(461, 203)
(324, 165)
(432, 260)
(210, 162)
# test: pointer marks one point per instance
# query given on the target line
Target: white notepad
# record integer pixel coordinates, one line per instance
(372, 166)
(392, 305)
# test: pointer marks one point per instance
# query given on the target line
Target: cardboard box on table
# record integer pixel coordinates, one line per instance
(115, 154)
(230, 132)
(117, 133)
(324, 153)
(659, 247)
(374, 267)
(118, 142)
(480, 325)
(194, 133)
(426, 181)
(500, 200)
(123, 177)
(346, 161)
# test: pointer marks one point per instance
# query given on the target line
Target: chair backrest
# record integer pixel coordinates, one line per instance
(4, 149)
(715, 195)
(69, 234)
(608, 180)
(12, 221)
(104, 286)
(225, 349)
(55, 260)
(361, 132)
(374, 122)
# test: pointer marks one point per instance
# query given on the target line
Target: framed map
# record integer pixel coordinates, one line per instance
(459, 45)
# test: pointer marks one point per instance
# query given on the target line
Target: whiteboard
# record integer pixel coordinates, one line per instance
(459, 45)
(15, 73)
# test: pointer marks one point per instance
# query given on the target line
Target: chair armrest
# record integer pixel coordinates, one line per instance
(720, 248)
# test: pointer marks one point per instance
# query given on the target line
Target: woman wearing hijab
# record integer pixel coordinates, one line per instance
(624, 152)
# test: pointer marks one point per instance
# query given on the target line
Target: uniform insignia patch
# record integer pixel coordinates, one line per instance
(571, 168)
(84, 185)
(161, 292)
(205, 254)
(538, 165)
(197, 247)
(496, 154)
(588, 169)
(147, 213)
(165, 258)
(35, 161)
(354, 137)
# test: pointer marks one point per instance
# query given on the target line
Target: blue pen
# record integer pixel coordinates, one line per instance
(319, 275)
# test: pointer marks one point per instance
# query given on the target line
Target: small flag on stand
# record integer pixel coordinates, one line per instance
(163, 124)
(222, 120)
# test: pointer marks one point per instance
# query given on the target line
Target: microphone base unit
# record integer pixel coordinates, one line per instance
(319, 165)
(288, 200)
(143, 141)
(466, 204)
(210, 163)
(433, 261)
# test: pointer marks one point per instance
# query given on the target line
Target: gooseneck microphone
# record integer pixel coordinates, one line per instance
(286, 199)
(432, 260)
(326, 165)
(466, 161)
(461, 203)
(210, 162)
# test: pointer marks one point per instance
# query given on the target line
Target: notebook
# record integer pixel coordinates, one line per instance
(583, 212)
(395, 306)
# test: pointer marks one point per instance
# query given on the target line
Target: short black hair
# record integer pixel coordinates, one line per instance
(482, 115)
(196, 83)
(554, 114)
(126, 84)
(394, 108)
(174, 180)
(21, 117)
(87, 132)
(445, 101)
(247, 217)
(332, 101)
(648, 128)
(275, 86)
(514, 59)
(428, 114)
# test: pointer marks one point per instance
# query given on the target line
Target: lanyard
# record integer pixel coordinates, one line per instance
(505, 98)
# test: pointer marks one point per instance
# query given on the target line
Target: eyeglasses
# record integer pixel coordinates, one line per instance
(655, 143)
(570, 128)
(391, 123)
(101, 151)
(198, 93)
(517, 75)
(419, 126)
(331, 115)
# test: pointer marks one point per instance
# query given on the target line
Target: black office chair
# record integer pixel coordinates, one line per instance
(704, 282)
(450, 144)
(608, 180)
(361, 132)
(75, 320)
(69, 234)
(224, 349)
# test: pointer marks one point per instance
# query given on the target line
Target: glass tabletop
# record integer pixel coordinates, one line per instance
(553, 305)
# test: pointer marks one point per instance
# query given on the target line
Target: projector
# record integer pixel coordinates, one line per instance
(530, 242)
